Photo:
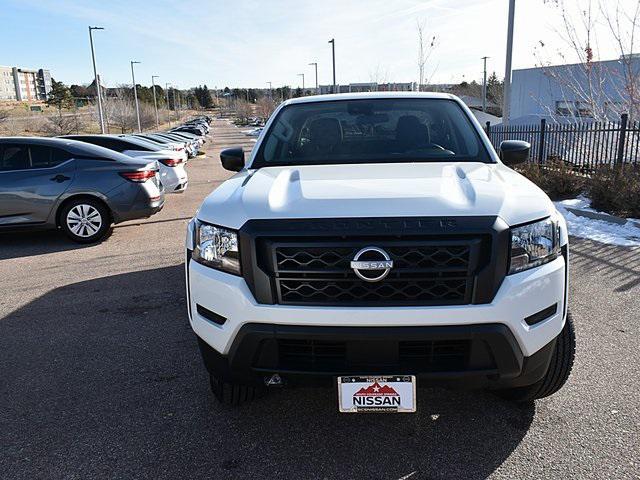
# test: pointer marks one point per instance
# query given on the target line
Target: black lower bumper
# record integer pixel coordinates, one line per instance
(473, 356)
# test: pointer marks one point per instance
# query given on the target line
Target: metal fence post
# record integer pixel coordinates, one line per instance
(624, 118)
(487, 128)
(543, 125)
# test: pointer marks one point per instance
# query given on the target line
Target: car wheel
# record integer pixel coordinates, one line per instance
(85, 220)
(557, 374)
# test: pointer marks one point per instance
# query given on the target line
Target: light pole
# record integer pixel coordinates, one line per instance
(155, 103)
(270, 94)
(333, 56)
(176, 107)
(302, 75)
(315, 64)
(166, 93)
(96, 80)
(484, 85)
(135, 95)
(507, 69)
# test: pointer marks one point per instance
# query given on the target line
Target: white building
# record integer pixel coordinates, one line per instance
(24, 85)
(575, 92)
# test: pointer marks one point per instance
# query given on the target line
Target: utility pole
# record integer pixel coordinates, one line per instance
(484, 85)
(506, 106)
(302, 75)
(333, 56)
(155, 103)
(135, 95)
(315, 64)
(166, 92)
(176, 106)
(96, 78)
(270, 94)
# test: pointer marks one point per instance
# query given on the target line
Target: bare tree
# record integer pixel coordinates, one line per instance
(64, 124)
(265, 107)
(243, 110)
(599, 91)
(426, 46)
(120, 111)
(379, 76)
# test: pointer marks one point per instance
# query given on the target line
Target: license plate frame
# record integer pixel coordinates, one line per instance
(377, 394)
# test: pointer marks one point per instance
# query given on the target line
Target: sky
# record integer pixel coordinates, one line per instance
(247, 43)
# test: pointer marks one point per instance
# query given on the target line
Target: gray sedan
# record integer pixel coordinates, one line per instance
(80, 188)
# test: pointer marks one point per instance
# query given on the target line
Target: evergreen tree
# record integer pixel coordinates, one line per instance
(60, 96)
(205, 100)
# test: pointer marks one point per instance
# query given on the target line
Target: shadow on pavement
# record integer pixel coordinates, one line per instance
(619, 263)
(102, 379)
(19, 244)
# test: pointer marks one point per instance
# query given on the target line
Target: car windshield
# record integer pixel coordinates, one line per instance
(371, 131)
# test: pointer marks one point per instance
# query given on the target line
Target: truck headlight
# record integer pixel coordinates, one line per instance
(534, 244)
(216, 247)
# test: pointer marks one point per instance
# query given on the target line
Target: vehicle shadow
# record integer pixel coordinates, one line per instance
(19, 244)
(103, 379)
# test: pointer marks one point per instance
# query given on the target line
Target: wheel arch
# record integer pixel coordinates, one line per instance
(79, 196)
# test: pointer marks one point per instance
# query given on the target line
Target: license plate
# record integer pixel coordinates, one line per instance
(390, 394)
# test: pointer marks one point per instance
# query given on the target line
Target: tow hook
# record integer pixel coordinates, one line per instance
(274, 380)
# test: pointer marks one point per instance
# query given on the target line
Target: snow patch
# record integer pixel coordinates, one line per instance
(627, 235)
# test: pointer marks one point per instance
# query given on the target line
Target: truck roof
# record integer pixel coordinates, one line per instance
(368, 95)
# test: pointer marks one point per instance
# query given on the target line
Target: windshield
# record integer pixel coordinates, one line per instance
(371, 131)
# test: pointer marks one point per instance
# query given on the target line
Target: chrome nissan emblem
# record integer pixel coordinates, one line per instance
(372, 264)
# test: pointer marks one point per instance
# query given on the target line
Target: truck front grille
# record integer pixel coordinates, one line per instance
(410, 356)
(424, 273)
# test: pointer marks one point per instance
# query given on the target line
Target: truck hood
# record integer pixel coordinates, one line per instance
(376, 190)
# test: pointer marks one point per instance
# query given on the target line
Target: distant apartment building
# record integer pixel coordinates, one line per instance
(370, 87)
(7, 84)
(24, 85)
(573, 93)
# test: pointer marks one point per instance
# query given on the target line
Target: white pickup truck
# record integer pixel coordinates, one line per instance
(376, 242)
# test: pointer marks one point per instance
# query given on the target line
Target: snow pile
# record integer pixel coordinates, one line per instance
(627, 235)
(253, 133)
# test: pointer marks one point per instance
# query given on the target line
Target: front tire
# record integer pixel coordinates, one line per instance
(557, 374)
(85, 220)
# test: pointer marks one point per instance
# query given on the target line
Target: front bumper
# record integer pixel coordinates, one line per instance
(472, 356)
(514, 352)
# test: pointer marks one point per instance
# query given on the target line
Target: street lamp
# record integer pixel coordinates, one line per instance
(506, 107)
(484, 85)
(302, 75)
(96, 80)
(315, 64)
(166, 92)
(333, 56)
(135, 95)
(155, 103)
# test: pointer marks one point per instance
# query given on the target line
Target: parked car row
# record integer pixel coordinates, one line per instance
(83, 184)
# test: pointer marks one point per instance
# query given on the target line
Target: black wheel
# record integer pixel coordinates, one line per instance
(557, 374)
(233, 394)
(85, 220)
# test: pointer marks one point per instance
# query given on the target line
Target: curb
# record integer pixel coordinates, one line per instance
(601, 216)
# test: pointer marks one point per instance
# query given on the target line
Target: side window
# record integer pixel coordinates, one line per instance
(122, 146)
(14, 157)
(59, 156)
(111, 144)
(40, 156)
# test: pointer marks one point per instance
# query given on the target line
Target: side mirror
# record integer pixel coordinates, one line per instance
(232, 159)
(513, 152)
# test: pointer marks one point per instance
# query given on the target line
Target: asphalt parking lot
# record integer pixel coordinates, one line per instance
(100, 377)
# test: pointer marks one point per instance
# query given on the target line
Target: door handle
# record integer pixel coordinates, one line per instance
(60, 178)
